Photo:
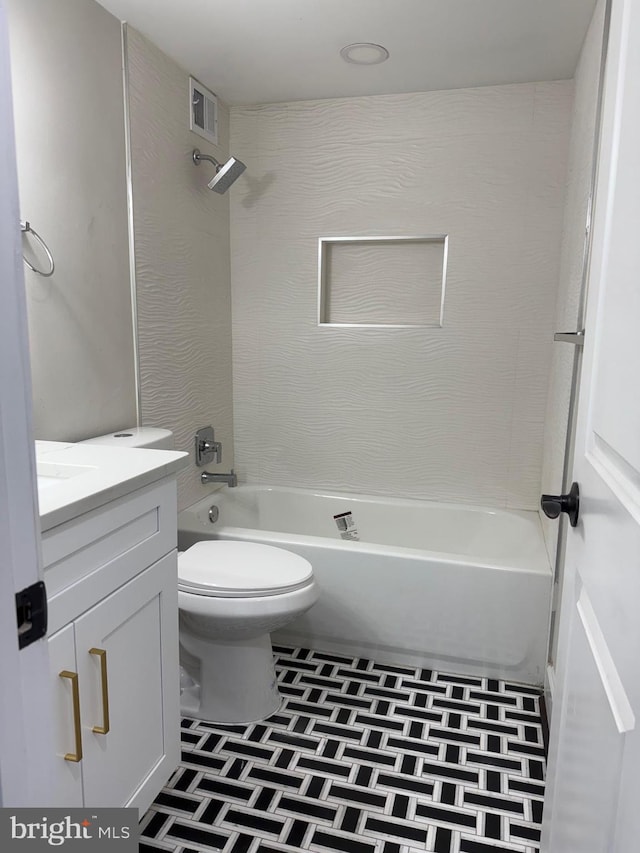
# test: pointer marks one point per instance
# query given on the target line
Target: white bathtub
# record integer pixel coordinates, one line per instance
(452, 587)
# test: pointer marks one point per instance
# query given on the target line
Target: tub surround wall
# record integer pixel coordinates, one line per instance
(449, 414)
(578, 191)
(181, 232)
(69, 114)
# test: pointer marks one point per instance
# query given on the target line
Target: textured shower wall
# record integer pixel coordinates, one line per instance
(453, 413)
(181, 232)
(578, 190)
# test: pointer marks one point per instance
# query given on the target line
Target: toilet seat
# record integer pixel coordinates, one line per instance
(232, 569)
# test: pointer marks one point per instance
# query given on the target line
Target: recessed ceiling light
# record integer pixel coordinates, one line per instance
(364, 53)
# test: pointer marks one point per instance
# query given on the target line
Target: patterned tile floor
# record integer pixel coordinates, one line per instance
(361, 758)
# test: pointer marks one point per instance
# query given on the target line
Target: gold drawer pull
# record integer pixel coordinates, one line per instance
(104, 728)
(77, 726)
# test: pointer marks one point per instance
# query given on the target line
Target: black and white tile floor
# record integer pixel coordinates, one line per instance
(361, 758)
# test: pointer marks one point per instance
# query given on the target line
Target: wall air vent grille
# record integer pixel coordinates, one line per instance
(203, 111)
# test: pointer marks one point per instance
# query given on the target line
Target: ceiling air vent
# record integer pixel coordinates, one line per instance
(203, 111)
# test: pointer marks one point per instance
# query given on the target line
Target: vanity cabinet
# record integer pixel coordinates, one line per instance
(111, 578)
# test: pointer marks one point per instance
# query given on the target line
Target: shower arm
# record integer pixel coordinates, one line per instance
(198, 157)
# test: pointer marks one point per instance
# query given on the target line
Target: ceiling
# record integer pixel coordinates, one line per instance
(265, 51)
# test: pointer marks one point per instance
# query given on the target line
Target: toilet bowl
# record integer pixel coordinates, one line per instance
(231, 596)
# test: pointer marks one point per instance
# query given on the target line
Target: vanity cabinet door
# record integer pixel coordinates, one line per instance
(66, 784)
(127, 658)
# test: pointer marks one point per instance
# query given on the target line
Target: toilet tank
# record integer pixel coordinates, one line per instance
(151, 437)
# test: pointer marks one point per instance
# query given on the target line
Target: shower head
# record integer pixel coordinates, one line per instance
(226, 173)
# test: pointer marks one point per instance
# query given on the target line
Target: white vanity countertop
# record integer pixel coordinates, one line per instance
(76, 478)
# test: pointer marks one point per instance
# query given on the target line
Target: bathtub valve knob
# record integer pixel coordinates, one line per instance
(214, 512)
(553, 505)
(207, 448)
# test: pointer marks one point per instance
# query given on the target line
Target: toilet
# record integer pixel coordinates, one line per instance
(231, 596)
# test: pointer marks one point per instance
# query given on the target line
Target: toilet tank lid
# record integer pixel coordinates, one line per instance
(151, 437)
(221, 567)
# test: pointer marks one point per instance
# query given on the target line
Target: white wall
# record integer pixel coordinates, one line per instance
(69, 115)
(573, 242)
(181, 232)
(453, 413)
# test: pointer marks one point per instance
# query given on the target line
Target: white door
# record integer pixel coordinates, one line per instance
(25, 733)
(593, 783)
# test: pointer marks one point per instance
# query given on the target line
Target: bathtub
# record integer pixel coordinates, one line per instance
(457, 588)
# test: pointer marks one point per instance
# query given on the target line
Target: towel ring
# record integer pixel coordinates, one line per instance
(26, 226)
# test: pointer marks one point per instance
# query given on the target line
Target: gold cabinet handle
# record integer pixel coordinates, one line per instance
(104, 728)
(77, 726)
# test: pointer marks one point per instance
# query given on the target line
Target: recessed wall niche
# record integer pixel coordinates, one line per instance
(382, 281)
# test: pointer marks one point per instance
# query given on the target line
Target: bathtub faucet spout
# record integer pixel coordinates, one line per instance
(230, 479)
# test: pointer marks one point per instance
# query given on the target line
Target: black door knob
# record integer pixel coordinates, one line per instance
(553, 505)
